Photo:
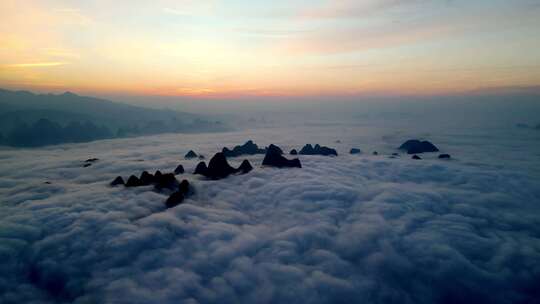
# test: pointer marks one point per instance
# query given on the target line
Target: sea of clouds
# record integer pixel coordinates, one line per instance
(346, 229)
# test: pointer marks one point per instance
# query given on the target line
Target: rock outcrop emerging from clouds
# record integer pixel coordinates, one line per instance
(219, 168)
(179, 169)
(190, 155)
(274, 158)
(317, 150)
(249, 148)
(415, 146)
(355, 151)
(177, 197)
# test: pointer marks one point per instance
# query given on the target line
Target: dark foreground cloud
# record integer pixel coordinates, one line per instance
(340, 230)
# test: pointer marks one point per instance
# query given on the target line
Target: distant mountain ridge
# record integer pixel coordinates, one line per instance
(70, 102)
(20, 111)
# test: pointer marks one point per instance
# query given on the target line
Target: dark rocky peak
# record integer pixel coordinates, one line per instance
(274, 158)
(165, 181)
(133, 181)
(317, 150)
(201, 168)
(190, 155)
(184, 187)
(218, 167)
(307, 150)
(415, 146)
(275, 149)
(179, 169)
(174, 199)
(118, 181)
(248, 148)
(245, 167)
(146, 178)
(355, 151)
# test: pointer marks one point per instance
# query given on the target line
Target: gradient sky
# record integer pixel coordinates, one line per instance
(266, 48)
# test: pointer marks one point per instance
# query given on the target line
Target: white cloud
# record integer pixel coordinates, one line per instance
(339, 230)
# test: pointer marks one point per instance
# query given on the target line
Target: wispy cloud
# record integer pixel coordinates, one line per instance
(355, 9)
(187, 91)
(61, 53)
(68, 10)
(36, 64)
(266, 32)
(349, 26)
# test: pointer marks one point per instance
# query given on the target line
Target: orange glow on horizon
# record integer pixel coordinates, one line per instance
(213, 50)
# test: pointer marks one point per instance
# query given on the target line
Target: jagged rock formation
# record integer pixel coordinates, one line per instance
(133, 181)
(276, 149)
(118, 181)
(249, 148)
(219, 168)
(165, 181)
(146, 178)
(293, 152)
(444, 156)
(274, 158)
(317, 150)
(177, 197)
(159, 180)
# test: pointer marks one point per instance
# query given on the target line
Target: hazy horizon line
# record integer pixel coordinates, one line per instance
(504, 90)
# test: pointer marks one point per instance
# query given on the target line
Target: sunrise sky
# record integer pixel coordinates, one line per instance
(264, 48)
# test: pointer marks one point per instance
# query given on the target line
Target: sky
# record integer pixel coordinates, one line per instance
(212, 48)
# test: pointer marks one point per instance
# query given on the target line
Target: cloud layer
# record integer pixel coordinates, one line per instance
(340, 230)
